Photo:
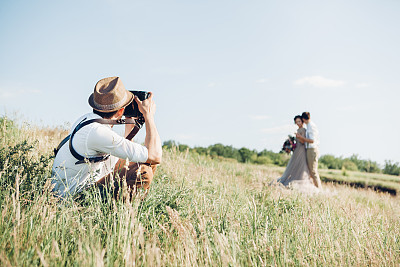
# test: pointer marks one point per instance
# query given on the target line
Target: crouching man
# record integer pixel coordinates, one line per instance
(94, 155)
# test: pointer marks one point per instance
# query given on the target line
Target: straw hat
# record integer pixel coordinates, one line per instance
(110, 95)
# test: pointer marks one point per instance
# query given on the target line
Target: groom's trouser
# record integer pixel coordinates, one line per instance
(312, 162)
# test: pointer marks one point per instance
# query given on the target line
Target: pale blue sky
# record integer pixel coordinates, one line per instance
(234, 72)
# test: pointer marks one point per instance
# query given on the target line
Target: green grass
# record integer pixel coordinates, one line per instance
(198, 212)
(376, 181)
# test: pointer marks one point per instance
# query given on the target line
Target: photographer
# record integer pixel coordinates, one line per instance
(93, 154)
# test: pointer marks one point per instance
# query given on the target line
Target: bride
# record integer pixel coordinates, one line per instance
(297, 174)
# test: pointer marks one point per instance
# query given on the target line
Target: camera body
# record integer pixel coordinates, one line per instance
(133, 110)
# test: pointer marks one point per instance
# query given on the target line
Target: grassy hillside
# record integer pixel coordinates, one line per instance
(375, 181)
(198, 212)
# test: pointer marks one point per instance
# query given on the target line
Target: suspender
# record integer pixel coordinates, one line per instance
(84, 122)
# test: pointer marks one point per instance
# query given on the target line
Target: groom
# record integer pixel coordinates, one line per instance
(312, 145)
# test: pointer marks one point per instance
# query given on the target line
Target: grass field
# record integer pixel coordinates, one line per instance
(375, 181)
(198, 212)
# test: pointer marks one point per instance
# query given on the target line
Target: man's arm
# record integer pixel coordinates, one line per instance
(303, 139)
(152, 141)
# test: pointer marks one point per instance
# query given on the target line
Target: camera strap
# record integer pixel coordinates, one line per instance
(138, 125)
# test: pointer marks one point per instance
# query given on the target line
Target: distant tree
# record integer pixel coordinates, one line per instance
(352, 163)
(263, 160)
(231, 152)
(349, 165)
(245, 154)
(391, 168)
(322, 165)
(183, 148)
(280, 159)
(371, 166)
(331, 162)
(365, 165)
(170, 144)
(357, 161)
(201, 150)
(216, 150)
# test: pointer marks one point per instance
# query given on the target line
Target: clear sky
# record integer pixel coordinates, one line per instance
(233, 72)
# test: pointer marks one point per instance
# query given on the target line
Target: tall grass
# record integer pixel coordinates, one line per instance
(198, 212)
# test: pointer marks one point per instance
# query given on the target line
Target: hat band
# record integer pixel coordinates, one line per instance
(111, 106)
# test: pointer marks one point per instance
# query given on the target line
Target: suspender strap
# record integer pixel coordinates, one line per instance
(81, 159)
(61, 144)
(138, 125)
(134, 131)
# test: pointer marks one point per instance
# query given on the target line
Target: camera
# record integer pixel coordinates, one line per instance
(133, 110)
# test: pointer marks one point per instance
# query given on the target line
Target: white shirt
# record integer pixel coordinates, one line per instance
(313, 134)
(92, 140)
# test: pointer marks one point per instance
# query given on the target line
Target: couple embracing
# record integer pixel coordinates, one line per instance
(302, 170)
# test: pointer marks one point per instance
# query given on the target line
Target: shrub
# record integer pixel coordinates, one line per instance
(365, 165)
(20, 158)
(391, 168)
(280, 159)
(331, 162)
(245, 154)
(321, 165)
(349, 165)
(263, 160)
(170, 144)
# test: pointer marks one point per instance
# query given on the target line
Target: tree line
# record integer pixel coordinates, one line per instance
(268, 157)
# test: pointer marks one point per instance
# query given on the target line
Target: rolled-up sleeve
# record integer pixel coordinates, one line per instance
(104, 140)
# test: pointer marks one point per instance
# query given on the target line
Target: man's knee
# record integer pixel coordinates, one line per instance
(139, 176)
(145, 177)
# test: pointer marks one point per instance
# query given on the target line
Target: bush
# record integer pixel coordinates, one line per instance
(246, 154)
(322, 165)
(365, 165)
(19, 158)
(280, 159)
(349, 165)
(331, 162)
(201, 150)
(353, 163)
(263, 160)
(391, 168)
(170, 144)
(224, 151)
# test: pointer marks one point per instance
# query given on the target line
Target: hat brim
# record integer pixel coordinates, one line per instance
(92, 104)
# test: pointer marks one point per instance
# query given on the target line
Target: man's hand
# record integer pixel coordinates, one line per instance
(300, 138)
(304, 140)
(147, 107)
